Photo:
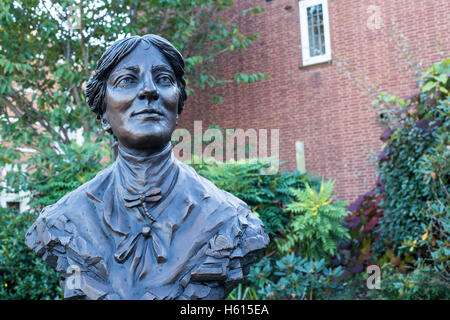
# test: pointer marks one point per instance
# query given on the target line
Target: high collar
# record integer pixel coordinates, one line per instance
(139, 174)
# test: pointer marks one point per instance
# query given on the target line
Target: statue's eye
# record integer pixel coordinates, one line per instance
(165, 80)
(124, 82)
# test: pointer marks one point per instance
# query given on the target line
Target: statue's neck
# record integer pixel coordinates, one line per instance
(139, 174)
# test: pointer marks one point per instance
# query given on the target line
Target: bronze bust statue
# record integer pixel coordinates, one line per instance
(148, 226)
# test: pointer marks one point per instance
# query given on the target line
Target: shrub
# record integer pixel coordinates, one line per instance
(22, 274)
(316, 226)
(421, 282)
(70, 170)
(362, 223)
(296, 262)
(403, 224)
(414, 166)
(294, 277)
(299, 267)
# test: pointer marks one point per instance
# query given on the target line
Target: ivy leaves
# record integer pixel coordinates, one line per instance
(415, 171)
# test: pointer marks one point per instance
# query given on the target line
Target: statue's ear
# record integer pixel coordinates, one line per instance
(105, 123)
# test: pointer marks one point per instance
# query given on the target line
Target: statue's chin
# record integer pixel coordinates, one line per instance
(146, 145)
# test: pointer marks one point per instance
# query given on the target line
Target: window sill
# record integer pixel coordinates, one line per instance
(315, 63)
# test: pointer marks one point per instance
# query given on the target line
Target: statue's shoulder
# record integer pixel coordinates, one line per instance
(78, 199)
(56, 224)
(233, 205)
(234, 211)
(237, 238)
(203, 186)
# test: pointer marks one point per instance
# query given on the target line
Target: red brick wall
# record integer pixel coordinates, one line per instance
(317, 104)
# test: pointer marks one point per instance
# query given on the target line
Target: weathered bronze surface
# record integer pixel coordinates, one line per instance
(148, 226)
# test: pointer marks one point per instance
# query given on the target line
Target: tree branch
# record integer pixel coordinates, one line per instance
(26, 107)
(188, 48)
(83, 42)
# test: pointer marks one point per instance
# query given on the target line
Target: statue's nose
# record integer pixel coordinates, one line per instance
(148, 92)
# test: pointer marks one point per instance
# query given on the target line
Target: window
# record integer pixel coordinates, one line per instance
(314, 31)
(15, 205)
(18, 201)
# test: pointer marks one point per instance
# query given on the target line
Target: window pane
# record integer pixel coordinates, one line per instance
(13, 205)
(316, 31)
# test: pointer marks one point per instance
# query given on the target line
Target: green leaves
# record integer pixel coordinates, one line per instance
(294, 277)
(436, 79)
(428, 86)
(316, 227)
(416, 170)
(250, 78)
(22, 274)
(254, 10)
(420, 283)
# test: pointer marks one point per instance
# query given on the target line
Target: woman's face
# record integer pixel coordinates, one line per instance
(142, 100)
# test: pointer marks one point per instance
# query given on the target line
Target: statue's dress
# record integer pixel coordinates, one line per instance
(148, 228)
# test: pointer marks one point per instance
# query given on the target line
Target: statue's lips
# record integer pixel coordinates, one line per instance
(148, 112)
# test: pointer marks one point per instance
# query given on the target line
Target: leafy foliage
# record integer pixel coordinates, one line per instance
(294, 277)
(298, 268)
(414, 167)
(363, 223)
(77, 165)
(317, 224)
(403, 223)
(421, 282)
(243, 293)
(22, 274)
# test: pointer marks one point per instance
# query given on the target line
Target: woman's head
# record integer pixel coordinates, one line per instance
(96, 86)
(138, 91)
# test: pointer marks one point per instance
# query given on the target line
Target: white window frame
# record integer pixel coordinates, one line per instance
(307, 59)
(22, 197)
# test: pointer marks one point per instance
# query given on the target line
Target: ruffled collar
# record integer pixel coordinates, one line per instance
(142, 174)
